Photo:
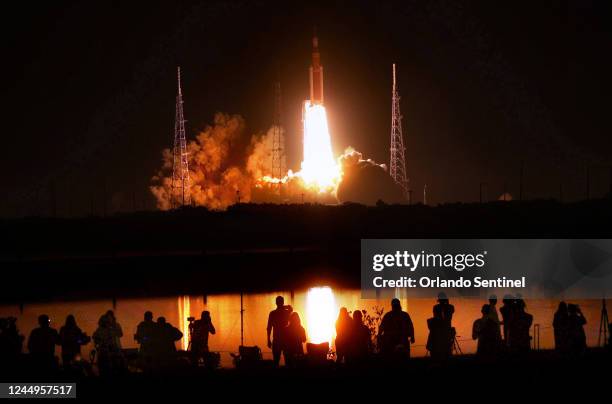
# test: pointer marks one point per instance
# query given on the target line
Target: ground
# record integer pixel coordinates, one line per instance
(540, 374)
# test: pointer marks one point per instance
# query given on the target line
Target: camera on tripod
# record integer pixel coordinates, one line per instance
(190, 327)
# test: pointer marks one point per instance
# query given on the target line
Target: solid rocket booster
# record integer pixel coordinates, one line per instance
(316, 74)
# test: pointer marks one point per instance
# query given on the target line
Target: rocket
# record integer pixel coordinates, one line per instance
(316, 74)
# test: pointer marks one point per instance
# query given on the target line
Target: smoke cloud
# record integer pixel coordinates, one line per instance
(224, 168)
(218, 174)
(366, 182)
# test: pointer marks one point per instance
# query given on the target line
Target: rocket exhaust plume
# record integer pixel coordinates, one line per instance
(319, 169)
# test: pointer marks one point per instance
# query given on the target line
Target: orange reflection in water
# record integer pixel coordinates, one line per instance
(184, 309)
(321, 312)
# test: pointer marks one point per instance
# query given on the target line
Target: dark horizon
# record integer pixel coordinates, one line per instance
(484, 86)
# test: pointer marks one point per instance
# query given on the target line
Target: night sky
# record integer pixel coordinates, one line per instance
(88, 91)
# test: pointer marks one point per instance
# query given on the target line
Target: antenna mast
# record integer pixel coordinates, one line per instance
(180, 166)
(397, 160)
(277, 142)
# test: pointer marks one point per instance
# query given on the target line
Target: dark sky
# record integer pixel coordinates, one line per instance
(88, 90)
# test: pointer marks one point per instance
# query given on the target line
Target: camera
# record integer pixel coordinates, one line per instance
(84, 339)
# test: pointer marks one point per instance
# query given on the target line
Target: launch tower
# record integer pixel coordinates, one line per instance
(398, 160)
(277, 141)
(180, 166)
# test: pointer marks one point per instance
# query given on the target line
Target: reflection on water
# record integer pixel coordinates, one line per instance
(321, 313)
(184, 312)
(313, 306)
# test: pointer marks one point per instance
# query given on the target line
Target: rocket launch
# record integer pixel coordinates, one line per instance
(316, 74)
(215, 180)
(319, 167)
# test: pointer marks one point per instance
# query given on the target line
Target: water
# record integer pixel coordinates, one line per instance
(225, 312)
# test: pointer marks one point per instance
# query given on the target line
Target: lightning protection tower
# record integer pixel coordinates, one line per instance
(398, 160)
(180, 166)
(277, 144)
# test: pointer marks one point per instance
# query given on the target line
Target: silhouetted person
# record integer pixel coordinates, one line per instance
(71, 338)
(518, 328)
(41, 344)
(4, 343)
(493, 310)
(446, 309)
(577, 337)
(396, 331)
(278, 320)
(106, 339)
(116, 327)
(494, 316)
(360, 343)
(145, 333)
(200, 331)
(164, 341)
(11, 342)
(344, 327)
(486, 331)
(561, 328)
(294, 339)
(440, 339)
(507, 311)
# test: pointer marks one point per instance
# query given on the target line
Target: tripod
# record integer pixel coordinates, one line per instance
(190, 328)
(456, 349)
(603, 325)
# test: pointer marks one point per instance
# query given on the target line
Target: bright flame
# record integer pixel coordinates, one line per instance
(319, 168)
(320, 171)
(184, 309)
(321, 313)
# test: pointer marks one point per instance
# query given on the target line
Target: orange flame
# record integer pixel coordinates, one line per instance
(320, 171)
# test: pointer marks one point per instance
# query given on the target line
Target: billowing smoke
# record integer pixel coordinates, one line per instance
(219, 173)
(365, 181)
(223, 169)
(259, 161)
